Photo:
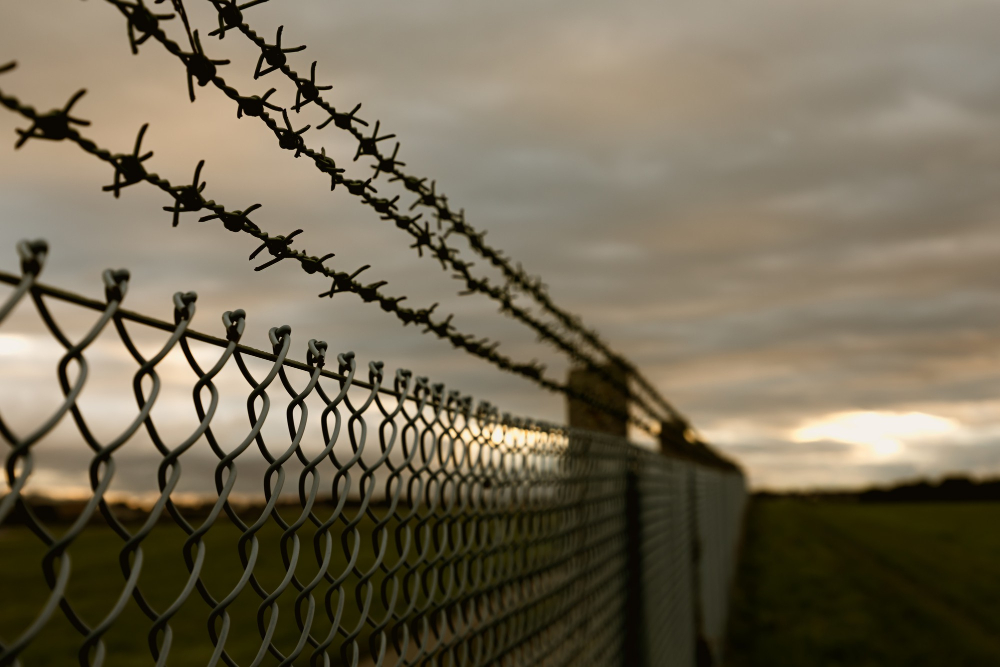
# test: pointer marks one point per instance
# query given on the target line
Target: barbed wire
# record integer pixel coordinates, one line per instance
(57, 125)
(204, 71)
(231, 17)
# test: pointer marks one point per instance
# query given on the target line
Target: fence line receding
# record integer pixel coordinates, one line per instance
(396, 523)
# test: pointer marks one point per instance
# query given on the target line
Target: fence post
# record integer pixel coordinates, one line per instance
(678, 442)
(634, 652)
(583, 415)
(702, 647)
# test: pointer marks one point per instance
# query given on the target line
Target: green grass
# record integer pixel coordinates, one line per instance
(838, 584)
(96, 581)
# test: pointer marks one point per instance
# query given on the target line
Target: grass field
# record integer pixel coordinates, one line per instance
(840, 584)
(96, 581)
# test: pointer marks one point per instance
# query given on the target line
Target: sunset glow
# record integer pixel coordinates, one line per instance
(885, 433)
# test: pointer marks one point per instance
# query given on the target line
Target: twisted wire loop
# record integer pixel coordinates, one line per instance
(129, 170)
(393, 522)
(205, 71)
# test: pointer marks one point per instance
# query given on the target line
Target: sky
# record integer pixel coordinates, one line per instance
(783, 212)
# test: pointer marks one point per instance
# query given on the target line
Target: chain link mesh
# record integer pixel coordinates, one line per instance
(389, 522)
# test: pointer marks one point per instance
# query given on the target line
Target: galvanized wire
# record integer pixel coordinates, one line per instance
(129, 169)
(494, 540)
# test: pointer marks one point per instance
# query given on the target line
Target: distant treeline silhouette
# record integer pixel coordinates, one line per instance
(955, 488)
(949, 489)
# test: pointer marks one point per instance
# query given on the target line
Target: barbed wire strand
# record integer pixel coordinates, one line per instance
(204, 70)
(231, 17)
(200, 68)
(57, 125)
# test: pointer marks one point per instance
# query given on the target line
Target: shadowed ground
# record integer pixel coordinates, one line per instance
(829, 584)
(96, 580)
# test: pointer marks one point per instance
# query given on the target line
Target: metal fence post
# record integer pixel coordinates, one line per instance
(581, 414)
(703, 649)
(634, 653)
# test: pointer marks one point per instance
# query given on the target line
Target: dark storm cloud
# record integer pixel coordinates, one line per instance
(780, 210)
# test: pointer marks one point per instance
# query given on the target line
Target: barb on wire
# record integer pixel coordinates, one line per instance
(422, 238)
(141, 22)
(54, 125)
(308, 91)
(443, 253)
(230, 14)
(187, 198)
(369, 145)
(128, 168)
(274, 55)
(341, 120)
(343, 282)
(383, 206)
(200, 67)
(235, 221)
(428, 198)
(279, 247)
(359, 188)
(254, 105)
(328, 166)
(289, 138)
(386, 164)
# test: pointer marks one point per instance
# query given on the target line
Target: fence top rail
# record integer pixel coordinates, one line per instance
(436, 396)
(139, 318)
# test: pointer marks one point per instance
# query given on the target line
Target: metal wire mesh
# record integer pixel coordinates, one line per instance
(389, 522)
(668, 564)
(719, 498)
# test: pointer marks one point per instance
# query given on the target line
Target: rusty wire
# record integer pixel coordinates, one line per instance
(205, 71)
(57, 125)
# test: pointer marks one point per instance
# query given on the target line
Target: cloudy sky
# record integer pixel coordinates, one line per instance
(783, 211)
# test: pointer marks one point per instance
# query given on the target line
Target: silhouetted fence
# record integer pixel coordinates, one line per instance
(228, 505)
(518, 294)
(349, 516)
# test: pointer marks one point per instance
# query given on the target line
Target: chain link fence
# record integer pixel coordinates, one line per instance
(328, 513)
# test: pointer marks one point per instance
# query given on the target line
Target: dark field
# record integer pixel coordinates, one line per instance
(96, 582)
(825, 584)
